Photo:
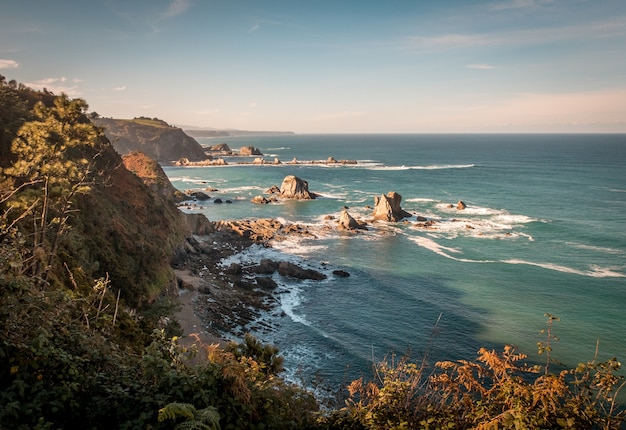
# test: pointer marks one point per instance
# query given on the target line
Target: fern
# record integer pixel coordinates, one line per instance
(203, 419)
(175, 410)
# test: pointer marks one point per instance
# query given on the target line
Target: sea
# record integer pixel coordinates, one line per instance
(543, 233)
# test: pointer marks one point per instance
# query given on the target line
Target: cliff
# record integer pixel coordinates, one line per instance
(155, 138)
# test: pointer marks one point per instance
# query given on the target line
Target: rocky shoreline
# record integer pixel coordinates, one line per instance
(219, 303)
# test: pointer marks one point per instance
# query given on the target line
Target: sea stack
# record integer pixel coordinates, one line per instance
(387, 207)
(295, 188)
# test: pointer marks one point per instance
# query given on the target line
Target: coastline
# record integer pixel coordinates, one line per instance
(216, 302)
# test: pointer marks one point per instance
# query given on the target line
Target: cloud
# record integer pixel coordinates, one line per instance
(519, 4)
(254, 28)
(121, 88)
(8, 64)
(480, 66)
(611, 28)
(56, 86)
(176, 8)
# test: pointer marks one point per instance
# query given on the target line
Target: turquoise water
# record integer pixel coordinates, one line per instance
(544, 231)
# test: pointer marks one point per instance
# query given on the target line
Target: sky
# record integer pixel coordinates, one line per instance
(330, 66)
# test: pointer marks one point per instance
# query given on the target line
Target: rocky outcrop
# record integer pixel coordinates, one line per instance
(291, 270)
(198, 195)
(295, 188)
(152, 175)
(249, 150)
(461, 205)
(199, 224)
(220, 147)
(153, 137)
(387, 208)
(347, 222)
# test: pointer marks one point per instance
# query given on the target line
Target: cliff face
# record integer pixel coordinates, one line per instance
(155, 138)
(128, 232)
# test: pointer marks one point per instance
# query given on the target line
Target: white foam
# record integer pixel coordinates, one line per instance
(602, 249)
(594, 272)
(430, 167)
(289, 301)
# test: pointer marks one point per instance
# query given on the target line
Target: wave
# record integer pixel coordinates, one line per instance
(602, 249)
(594, 272)
(430, 167)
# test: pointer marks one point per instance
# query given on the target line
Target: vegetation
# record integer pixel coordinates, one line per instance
(84, 283)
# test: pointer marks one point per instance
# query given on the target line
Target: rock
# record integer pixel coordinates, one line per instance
(341, 273)
(295, 188)
(346, 222)
(266, 282)
(461, 205)
(330, 160)
(421, 218)
(221, 147)
(218, 201)
(277, 161)
(234, 269)
(260, 200)
(249, 150)
(387, 207)
(272, 190)
(294, 271)
(258, 160)
(199, 224)
(198, 195)
(266, 267)
(182, 162)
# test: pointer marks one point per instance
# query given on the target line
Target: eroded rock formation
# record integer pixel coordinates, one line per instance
(295, 188)
(387, 207)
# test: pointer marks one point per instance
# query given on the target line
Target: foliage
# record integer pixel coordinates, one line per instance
(266, 355)
(204, 419)
(494, 391)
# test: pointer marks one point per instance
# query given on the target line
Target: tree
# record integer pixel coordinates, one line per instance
(53, 155)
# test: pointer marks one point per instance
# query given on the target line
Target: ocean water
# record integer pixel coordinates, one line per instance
(544, 232)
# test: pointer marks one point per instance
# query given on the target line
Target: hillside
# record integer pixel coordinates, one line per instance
(155, 138)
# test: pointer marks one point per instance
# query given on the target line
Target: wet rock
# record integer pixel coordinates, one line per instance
(291, 270)
(198, 195)
(266, 282)
(461, 205)
(341, 273)
(347, 222)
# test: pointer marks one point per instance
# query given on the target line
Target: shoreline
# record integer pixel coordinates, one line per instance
(217, 303)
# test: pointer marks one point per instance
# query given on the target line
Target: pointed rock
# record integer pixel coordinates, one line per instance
(387, 207)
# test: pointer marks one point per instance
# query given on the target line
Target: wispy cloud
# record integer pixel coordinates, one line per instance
(613, 28)
(56, 85)
(254, 28)
(120, 88)
(519, 4)
(8, 64)
(480, 66)
(176, 8)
